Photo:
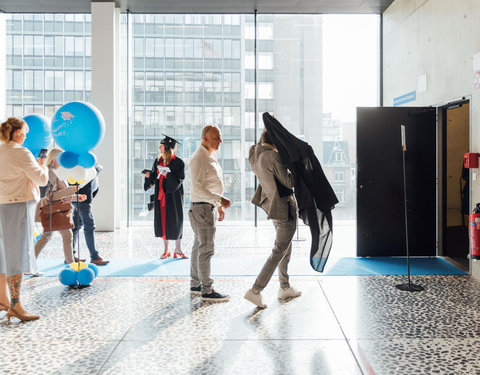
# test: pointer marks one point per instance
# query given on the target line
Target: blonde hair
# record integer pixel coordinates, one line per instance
(167, 155)
(9, 127)
(52, 156)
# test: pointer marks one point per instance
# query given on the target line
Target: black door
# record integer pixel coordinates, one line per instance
(380, 199)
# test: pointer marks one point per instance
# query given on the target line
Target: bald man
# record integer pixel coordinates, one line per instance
(207, 204)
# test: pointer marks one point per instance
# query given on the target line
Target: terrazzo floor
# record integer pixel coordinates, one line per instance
(152, 325)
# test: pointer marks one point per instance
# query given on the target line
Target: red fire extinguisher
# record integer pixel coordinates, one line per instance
(475, 232)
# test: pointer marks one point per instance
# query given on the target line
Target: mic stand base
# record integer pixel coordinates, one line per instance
(410, 287)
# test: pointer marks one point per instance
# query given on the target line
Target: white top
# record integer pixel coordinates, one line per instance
(206, 176)
(20, 174)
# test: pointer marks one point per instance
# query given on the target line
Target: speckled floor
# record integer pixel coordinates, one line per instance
(152, 325)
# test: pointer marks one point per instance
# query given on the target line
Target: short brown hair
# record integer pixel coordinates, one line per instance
(9, 127)
(265, 138)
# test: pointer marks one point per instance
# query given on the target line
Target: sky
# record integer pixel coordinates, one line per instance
(350, 64)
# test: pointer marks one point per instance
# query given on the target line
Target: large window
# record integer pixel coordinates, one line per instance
(309, 71)
(187, 71)
(48, 62)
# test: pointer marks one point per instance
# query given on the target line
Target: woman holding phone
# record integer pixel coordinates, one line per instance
(57, 190)
(19, 190)
(167, 174)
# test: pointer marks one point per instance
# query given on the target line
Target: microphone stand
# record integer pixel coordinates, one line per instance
(409, 287)
(77, 224)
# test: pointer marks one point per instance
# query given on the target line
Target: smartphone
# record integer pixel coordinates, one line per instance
(42, 154)
(145, 171)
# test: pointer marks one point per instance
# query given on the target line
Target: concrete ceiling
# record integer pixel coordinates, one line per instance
(203, 6)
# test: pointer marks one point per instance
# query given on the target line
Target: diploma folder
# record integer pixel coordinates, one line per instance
(161, 168)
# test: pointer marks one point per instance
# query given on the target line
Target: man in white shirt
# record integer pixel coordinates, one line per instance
(207, 203)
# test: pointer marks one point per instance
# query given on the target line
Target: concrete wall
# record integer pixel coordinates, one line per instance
(438, 39)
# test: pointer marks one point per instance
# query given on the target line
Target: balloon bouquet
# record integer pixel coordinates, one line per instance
(77, 128)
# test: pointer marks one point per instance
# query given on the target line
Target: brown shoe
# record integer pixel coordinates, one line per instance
(24, 316)
(100, 262)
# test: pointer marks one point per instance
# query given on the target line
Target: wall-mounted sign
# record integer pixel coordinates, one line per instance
(476, 80)
(476, 62)
(410, 97)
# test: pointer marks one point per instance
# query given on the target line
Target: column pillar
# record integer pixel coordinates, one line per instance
(105, 96)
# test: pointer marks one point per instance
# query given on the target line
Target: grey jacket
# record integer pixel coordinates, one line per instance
(267, 166)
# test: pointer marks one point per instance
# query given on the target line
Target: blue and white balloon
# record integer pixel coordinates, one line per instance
(39, 133)
(77, 128)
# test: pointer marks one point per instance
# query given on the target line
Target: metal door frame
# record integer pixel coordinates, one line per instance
(441, 161)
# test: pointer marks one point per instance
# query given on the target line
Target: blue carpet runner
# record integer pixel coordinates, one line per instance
(251, 266)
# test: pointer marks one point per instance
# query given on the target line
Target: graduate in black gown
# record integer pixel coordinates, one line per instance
(167, 174)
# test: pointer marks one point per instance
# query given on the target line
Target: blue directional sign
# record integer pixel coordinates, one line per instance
(399, 100)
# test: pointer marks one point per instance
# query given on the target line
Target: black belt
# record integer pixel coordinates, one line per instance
(194, 203)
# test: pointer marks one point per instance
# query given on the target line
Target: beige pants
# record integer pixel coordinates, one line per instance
(202, 219)
(280, 256)
(67, 243)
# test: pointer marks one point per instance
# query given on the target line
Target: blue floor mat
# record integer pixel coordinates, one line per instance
(251, 266)
(392, 266)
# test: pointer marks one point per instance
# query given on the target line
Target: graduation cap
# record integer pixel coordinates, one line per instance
(169, 141)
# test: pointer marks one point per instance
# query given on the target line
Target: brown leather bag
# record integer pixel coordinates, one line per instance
(57, 216)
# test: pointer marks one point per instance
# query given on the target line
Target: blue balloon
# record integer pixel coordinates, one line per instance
(78, 127)
(39, 133)
(68, 276)
(87, 160)
(94, 268)
(85, 276)
(67, 159)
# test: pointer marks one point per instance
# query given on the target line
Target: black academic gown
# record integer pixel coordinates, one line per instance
(172, 187)
(315, 197)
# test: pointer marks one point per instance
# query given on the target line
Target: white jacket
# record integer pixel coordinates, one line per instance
(20, 174)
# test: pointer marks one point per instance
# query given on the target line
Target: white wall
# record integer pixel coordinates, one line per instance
(437, 38)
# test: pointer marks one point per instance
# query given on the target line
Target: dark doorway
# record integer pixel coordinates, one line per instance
(380, 200)
(456, 182)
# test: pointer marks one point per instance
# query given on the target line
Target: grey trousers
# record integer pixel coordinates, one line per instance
(280, 256)
(67, 236)
(202, 218)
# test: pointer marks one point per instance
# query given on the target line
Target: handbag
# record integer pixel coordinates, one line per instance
(152, 202)
(57, 216)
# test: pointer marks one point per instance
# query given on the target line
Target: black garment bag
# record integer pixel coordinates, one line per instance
(314, 194)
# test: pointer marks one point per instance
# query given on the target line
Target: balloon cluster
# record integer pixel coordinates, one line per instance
(77, 128)
(78, 273)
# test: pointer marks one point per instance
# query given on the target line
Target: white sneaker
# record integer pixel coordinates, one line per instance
(255, 298)
(289, 292)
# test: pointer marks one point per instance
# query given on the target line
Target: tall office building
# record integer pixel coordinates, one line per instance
(186, 71)
(48, 62)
